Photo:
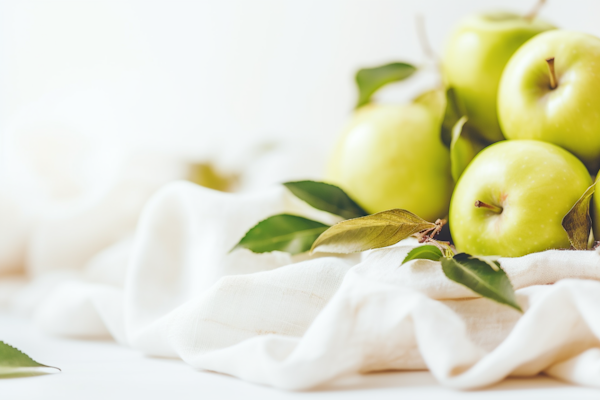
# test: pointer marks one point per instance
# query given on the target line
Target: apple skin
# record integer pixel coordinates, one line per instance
(474, 59)
(569, 115)
(392, 156)
(535, 183)
(595, 209)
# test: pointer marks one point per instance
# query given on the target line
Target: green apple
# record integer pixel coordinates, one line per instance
(392, 156)
(475, 57)
(566, 113)
(595, 209)
(511, 199)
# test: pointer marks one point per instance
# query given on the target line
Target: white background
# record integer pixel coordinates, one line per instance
(193, 78)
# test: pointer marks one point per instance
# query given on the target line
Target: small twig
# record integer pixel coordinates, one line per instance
(423, 236)
(426, 44)
(442, 245)
(535, 10)
(430, 233)
(439, 224)
(423, 39)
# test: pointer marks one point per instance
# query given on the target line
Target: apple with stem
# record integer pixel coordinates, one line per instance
(392, 156)
(511, 199)
(475, 57)
(550, 91)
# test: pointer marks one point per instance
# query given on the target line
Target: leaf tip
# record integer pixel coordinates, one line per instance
(517, 307)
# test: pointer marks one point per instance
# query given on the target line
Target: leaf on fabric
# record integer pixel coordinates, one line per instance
(427, 252)
(370, 80)
(284, 232)
(371, 232)
(578, 223)
(14, 361)
(326, 197)
(481, 277)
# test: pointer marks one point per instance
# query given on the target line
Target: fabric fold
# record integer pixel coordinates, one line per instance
(174, 288)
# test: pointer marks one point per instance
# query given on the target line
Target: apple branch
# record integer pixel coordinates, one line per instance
(426, 45)
(427, 236)
(481, 204)
(552, 72)
(430, 233)
(535, 10)
(423, 40)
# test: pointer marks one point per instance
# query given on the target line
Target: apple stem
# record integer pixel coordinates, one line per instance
(535, 10)
(553, 83)
(481, 204)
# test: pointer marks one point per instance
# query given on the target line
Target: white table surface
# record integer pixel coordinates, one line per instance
(104, 370)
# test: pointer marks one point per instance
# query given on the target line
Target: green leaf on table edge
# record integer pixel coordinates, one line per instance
(578, 223)
(371, 232)
(284, 232)
(427, 252)
(369, 80)
(14, 362)
(326, 197)
(479, 276)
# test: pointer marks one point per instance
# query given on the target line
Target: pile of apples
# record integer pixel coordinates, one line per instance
(531, 96)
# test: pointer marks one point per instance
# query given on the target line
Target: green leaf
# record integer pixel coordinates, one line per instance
(427, 252)
(484, 277)
(444, 104)
(14, 361)
(369, 80)
(460, 154)
(463, 148)
(371, 232)
(326, 197)
(578, 223)
(456, 134)
(283, 232)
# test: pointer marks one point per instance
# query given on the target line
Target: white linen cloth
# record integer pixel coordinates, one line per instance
(173, 289)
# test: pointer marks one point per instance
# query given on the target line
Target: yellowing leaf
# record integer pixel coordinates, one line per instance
(206, 175)
(578, 223)
(371, 232)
